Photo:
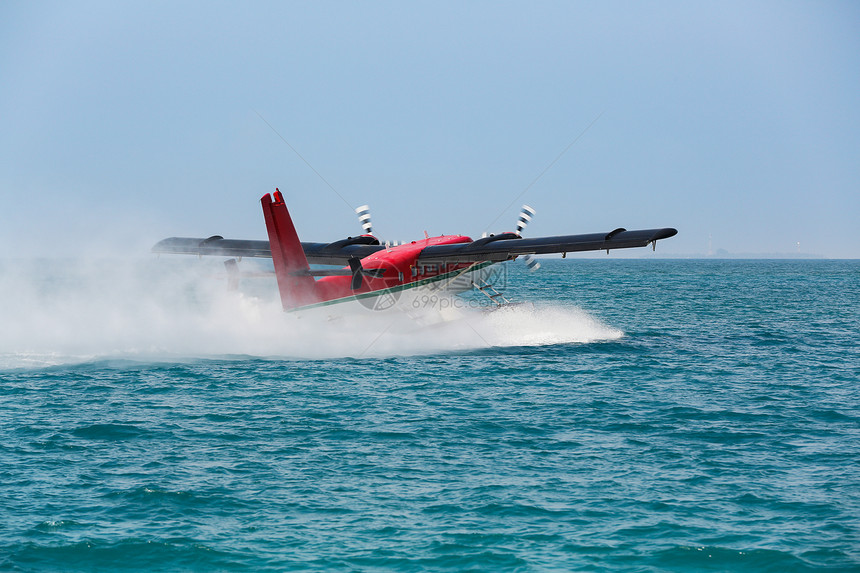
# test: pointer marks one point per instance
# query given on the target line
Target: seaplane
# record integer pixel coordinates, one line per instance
(381, 275)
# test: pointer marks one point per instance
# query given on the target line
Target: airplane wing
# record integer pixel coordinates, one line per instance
(506, 246)
(496, 248)
(336, 253)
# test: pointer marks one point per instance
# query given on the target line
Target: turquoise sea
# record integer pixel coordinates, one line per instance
(635, 415)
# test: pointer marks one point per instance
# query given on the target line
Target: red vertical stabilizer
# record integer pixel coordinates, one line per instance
(296, 287)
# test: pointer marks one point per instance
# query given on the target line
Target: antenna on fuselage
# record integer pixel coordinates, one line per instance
(300, 156)
(547, 168)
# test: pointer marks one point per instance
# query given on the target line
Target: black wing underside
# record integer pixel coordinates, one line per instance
(502, 247)
(508, 246)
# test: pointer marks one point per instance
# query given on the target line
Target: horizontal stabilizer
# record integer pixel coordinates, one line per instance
(345, 272)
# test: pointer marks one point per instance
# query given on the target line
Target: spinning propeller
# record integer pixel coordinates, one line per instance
(363, 213)
(526, 215)
(359, 272)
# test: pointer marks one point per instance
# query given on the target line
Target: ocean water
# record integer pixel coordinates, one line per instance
(634, 415)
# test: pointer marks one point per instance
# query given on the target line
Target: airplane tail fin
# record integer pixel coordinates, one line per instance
(291, 266)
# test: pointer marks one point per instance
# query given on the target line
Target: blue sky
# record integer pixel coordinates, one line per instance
(735, 122)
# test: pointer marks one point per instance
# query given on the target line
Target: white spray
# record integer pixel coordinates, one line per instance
(57, 312)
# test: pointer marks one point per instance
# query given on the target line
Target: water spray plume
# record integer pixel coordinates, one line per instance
(75, 311)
